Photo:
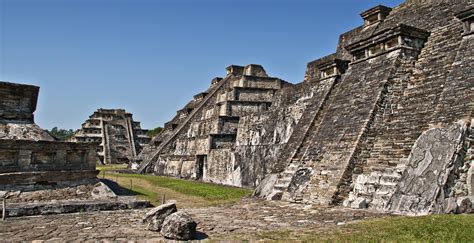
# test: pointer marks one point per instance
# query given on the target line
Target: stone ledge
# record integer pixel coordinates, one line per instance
(68, 206)
(32, 177)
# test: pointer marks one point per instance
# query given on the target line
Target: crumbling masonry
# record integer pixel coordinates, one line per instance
(120, 138)
(29, 156)
(345, 134)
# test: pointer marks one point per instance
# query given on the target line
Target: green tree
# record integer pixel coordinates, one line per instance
(153, 132)
(61, 134)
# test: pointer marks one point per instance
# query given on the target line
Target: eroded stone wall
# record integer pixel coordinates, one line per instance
(28, 154)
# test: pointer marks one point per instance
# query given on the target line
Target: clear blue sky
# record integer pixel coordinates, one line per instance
(151, 57)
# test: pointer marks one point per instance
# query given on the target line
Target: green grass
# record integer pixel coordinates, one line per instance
(152, 187)
(433, 228)
(111, 167)
(207, 191)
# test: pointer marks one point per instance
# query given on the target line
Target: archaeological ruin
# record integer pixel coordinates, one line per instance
(120, 138)
(29, 156)
(384, 123)
(39, 175)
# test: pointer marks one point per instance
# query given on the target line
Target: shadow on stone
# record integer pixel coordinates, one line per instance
(118, 190)
(200, 236)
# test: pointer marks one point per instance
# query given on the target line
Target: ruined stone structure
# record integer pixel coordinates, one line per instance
(199, 142)
(120, 137)
(345, 134)
(28, 155)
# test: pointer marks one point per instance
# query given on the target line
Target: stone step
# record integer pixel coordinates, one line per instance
(385, 189)
(389, 180)
(280, 187)
(288, 173)
(285, 180)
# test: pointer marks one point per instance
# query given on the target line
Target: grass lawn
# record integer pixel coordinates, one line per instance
(187, 193)
(433, 228)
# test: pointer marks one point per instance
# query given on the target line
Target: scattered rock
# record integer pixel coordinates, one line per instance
(451, 205)
(464, 205)
(265, 188)
(155, 217)
(359, 203)
(102, 191)
(346, 203)
(179, 226)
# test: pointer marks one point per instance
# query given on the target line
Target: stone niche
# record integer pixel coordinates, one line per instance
(215, 81)
(235, 70)
(255, 70)
(375, 15)
(326, 67)
(399, 37)
(467, 18)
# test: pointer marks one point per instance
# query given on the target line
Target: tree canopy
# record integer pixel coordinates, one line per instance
(61, 134)
(154, 132)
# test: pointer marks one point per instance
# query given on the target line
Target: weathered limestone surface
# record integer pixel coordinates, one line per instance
(18, 101)
(25, 162)
(433, 167)
(73, 206)
(155, 217)
(23, 131)
(179, 226)
(17, 104)
(120, 138)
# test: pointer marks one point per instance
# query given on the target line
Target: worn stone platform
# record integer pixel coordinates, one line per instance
(73, 206)
(243, 219)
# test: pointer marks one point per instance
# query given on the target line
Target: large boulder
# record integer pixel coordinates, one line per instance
(155, 217)
(179, 226)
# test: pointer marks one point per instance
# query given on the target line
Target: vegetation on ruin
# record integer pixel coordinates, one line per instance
(61, 134)
(153, 132)
(187, 193)
(432, 228)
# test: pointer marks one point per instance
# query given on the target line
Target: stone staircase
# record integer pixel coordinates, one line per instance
(284, 180)
(376, 183)
(144, 165)
(384, 156)
(301, 138)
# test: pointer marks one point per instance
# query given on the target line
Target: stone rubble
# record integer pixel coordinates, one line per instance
(155, 217)
(179, 226)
